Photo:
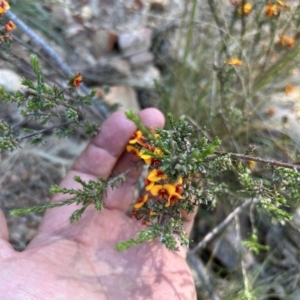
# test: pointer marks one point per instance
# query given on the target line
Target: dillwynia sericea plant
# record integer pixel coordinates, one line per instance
(182, 172)
(185, 169)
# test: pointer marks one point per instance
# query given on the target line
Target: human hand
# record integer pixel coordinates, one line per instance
(79, 260)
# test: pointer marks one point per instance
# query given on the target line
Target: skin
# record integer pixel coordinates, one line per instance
(79, 260)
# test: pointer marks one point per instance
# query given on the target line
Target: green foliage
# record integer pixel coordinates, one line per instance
(62, 108)
(7, 142)
(147, 235)
(169, 234)
(289, 184)
(90, 194)
(253, 244)
(269, 199)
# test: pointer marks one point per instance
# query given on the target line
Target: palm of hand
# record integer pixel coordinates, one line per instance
(79, 261)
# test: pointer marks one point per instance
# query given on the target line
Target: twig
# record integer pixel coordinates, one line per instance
(56, 59)
(221, 226)
(20, 138)
(241, 251)
(198, 266)
(261, 160)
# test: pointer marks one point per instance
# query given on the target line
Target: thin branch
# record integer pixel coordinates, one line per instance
(261, 160)
(241, 252)
(20, 138)
(56, 59)
(196, 264)
(221, 226)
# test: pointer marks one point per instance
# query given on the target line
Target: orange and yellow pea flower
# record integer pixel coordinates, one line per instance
(157, 175)
(165, 191)
(136, 137)
(149, 184)
(77, 80)
(4, 6)
(178, 186)
(9, 26)
(148, 158)
(133, 150)
(141, 201)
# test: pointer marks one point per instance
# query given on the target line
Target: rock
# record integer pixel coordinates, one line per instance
(119, 15)
(159, 5)
(135, 42)
(61, 16)
(103, 42)
(73, 30)
(141, 59)
(125, 96)
(119, 65)
(86, 13)
(10, 80)
(145, 77)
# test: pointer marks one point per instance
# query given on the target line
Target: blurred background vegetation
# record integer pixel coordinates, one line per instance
(230, 67)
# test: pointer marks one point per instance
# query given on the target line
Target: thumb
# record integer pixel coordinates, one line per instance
(3, 227)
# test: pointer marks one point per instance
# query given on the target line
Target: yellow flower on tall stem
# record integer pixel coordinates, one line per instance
(233, 62)
(245, 9)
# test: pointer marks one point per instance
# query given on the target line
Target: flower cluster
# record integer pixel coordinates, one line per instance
(5, 37)
(286, 41)
(176, 181)
(273, 10)
(159, 187)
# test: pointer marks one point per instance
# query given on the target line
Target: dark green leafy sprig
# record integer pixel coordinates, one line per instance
(169, 234)
(289, 180)
(269, 199)
(91, 194)
(63, 109)
(253, 244)
(7, 140)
